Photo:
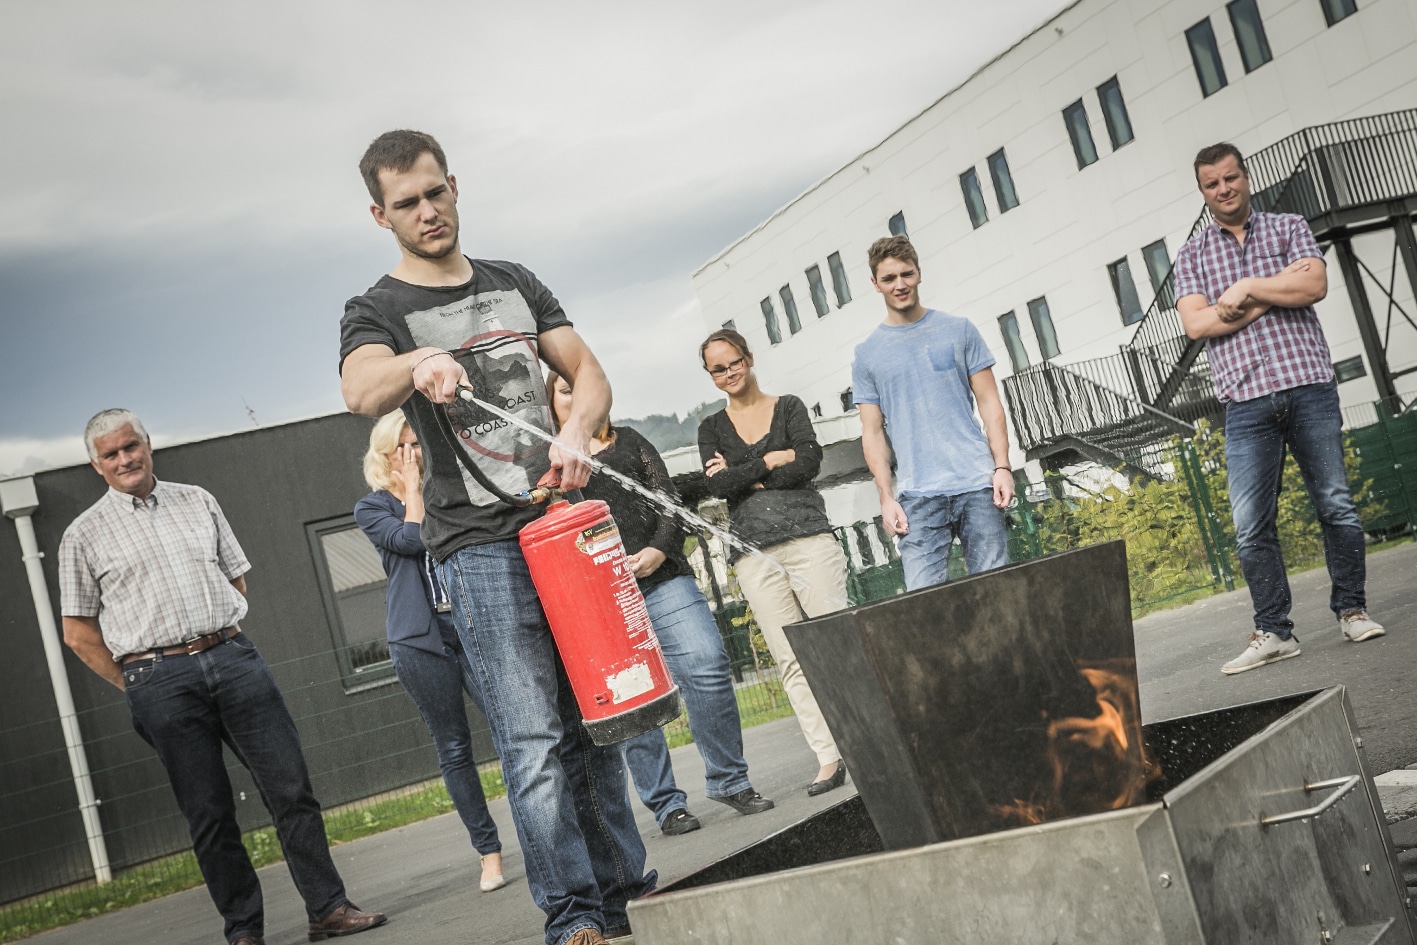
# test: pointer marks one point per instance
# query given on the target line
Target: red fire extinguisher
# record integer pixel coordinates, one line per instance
(599, 620)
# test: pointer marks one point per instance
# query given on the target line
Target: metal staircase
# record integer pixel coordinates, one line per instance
(1346, 178)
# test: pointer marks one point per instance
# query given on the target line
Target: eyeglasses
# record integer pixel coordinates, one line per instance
(731, 366)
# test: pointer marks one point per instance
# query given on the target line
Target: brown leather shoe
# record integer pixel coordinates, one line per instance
(586, 937)
(347, 919)
(249, 940)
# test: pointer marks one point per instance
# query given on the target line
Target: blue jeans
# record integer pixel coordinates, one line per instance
(583, 853)
(435, 682)
(1306, 421)
(693, 650)
(186, 707)
(936, 520)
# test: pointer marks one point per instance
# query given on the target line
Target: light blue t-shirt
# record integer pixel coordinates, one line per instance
(918, 374)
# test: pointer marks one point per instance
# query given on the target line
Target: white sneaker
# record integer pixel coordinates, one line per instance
(1263, 649)
(1358, 626)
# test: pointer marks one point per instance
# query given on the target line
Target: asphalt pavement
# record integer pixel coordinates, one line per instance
(425, 875)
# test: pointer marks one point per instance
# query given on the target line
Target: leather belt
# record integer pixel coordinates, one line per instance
(187, 648)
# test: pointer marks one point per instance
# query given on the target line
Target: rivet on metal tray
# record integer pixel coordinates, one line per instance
(1164, 880)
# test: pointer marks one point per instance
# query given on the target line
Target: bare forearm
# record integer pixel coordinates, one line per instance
(1205, 321)
(878, 460)
(81, 634)
(996, 430)
(1291, 288)
(375, 380)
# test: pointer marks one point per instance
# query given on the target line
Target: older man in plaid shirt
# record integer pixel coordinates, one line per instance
(152, 583)
(1247, 284)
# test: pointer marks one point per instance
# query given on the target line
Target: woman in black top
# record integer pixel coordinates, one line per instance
(688, 635)
(761, 455)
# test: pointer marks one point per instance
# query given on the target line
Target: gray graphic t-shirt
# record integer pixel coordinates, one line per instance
(491, 323)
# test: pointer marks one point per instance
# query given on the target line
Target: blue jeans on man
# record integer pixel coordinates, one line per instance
(185, 707)
(693, 650)
(583, 853)
(936, 520)
(1307, 422)
(436, 683)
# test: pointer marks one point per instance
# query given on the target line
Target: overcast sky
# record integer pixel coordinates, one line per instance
(184, 218)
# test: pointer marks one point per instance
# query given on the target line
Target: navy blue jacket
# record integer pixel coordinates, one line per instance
(412, 620)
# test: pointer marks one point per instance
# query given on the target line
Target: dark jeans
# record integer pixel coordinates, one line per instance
(583, 853)
(1306, 421)
(186, 707)
(436, 682)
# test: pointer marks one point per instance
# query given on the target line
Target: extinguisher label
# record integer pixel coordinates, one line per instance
(631, 682)
(599, 539)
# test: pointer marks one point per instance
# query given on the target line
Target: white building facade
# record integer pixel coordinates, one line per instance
(1048, 194)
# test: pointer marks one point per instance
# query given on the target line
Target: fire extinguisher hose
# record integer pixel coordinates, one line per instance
(440, 411)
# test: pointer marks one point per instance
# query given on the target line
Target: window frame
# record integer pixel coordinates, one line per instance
(997, 161)
(1114, 275)
(1204, 31)
(840, 286)
(817, 290)
(352, 678)
(1160, 282)
(1343, 371)
(1113, 86)
(970, 187)
(1016, 354)
(770, 321)
(1080, 133)
(1248, 11)
(896, 224)
(1044, 331)
(1330, 11)
(789, 309)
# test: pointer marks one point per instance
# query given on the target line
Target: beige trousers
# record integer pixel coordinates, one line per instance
(819, 565)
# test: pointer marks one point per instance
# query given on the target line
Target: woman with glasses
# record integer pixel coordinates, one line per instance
(427, 656)
(761, 454)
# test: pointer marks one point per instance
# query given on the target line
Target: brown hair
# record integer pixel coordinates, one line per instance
(891, 247)
(728, 336)
(1215, 153)
(397, 151)
(606, 433)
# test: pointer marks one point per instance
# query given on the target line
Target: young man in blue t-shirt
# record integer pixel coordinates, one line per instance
(919, 377)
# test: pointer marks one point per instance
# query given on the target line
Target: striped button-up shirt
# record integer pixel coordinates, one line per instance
(1284, 347)
(155, 572)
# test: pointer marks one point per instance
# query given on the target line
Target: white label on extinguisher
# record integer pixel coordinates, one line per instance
(629, 683)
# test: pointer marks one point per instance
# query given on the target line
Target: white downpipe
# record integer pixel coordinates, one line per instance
(68, 716)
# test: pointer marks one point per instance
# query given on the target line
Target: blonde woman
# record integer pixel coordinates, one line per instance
(761, 454)
(423, 645)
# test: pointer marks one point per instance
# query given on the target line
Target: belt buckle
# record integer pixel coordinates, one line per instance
(194, 642)
(443, 607)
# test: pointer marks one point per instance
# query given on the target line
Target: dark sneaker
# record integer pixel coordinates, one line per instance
(679, 821)
(746, 801)
(1263, 649)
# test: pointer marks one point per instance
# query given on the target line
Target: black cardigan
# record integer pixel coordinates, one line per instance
(788, 505)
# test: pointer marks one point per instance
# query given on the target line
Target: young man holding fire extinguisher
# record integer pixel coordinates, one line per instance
(408, 341)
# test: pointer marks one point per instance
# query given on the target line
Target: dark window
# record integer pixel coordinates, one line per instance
(1003, 181)
(817, 290)
(1349, 369)
(1075, 117)
(1335, 10)
(1249, 33)
(352, 583)
(897, 224)
(847, 404)
(1125, 288)
(1158, 267)
(789, 305)
(839, 284)
(973, 198)
(731, 325)
(1043, 327)
(1206, 57)
(816, 410)
(1114, 109)
(1013, 341)
(770, 320)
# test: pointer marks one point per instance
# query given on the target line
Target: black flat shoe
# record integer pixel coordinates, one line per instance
(837, 779)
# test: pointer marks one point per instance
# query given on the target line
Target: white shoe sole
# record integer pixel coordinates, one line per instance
(1235, 670)
(1375, 632)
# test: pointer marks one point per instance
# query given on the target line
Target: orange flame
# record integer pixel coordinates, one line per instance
(1098, 763)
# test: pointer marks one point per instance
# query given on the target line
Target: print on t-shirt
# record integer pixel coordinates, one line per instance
(494, 337)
